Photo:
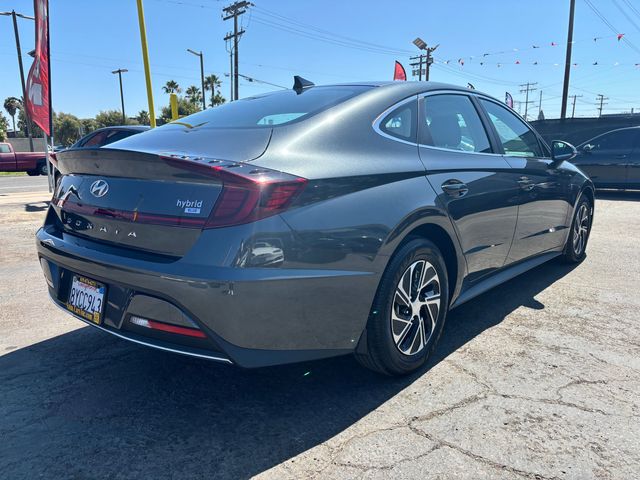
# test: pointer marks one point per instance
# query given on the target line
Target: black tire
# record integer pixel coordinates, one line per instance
(42, 168)
(575, 249)
(33, 173)
(381, 352)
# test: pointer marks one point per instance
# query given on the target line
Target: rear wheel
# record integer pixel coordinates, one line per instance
(33, 173)
(575, 249)
(42, 168)
(408, 312)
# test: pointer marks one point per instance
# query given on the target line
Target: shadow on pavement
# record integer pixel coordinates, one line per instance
(85, 404)
(36, 207)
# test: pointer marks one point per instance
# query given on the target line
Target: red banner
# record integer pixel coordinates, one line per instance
(38, 82)
(399, 73)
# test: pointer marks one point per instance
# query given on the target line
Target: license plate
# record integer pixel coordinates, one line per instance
(86, 298)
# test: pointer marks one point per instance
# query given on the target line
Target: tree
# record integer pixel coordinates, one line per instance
(185, 107)
(193, 94)
(213, 83)
(89, 125)
(36, 131)
(67, 128)
(171, 87)
(4, 126)
(109, 118)
(143, 117)
(12, 105)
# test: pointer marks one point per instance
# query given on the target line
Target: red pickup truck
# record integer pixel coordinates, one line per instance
(34, 163)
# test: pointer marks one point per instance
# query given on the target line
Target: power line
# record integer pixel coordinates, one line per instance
(610, 25)
(627, 16)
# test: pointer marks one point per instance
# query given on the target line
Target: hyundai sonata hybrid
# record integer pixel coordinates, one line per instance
(310, 223)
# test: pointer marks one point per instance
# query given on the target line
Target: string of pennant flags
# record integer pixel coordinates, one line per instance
(484, 58)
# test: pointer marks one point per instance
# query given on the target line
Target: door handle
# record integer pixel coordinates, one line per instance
(455, 188)
(526, 184)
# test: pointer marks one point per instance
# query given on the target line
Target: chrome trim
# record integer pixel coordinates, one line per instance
(140, 342)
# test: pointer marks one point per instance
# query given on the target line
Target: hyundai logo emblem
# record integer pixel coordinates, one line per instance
(99, 188)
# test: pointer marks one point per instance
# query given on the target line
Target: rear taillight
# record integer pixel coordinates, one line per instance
(248, 194)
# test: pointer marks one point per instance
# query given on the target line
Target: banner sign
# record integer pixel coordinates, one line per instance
(38, 82)
(508, 99)
(399, 73)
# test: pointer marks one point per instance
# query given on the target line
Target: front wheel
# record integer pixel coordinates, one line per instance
(576, 247)
(408, 312)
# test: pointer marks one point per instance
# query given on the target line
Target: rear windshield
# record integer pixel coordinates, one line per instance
(272, 109)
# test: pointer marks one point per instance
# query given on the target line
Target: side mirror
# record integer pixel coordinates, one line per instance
(562, 152)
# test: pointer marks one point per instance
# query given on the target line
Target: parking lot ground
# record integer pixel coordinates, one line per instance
(536, 379)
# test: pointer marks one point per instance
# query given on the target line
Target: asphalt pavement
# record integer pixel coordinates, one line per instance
(22, 183)
(536, 379)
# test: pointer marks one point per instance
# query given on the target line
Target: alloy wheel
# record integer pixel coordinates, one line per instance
(581, 229)
(416, 306)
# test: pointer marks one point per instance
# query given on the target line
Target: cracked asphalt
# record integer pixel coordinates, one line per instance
(536, 379)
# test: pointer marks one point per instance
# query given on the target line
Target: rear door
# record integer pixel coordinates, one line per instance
(543, 196)
(475, 184)
(605, 158)
(633, 163)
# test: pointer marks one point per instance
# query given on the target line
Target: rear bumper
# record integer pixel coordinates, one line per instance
(252, 317)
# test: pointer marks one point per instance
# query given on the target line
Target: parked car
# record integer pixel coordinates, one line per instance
(612, 160)
(34, 163)
(310, 223)
(106, 135)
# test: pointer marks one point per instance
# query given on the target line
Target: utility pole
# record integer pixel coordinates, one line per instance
(528, 87)
(120, 71)
(234, 11)
(567, 65)
(14, 16)
(540, 104)
(601, 100)
(199, 54)
(573, 108)
(418, 64)
(428, 58)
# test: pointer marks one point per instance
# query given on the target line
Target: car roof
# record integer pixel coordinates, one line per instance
(409, 87)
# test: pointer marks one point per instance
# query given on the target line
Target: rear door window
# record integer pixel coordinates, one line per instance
(95, 141)
(5, 149)
(117, 135)
(622, 140)
(451, 121)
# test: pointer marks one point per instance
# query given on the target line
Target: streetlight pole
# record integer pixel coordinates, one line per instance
(120, 71)
(14, 16)
(422, 45)
(199, 54)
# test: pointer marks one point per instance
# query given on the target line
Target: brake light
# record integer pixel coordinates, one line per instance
(248, 193)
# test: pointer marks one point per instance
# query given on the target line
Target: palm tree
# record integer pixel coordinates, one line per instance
(212, 82)
(171, 87)
(193, 94)
(143, 117)
(12, 105)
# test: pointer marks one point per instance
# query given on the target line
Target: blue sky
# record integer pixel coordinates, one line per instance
(89, 39)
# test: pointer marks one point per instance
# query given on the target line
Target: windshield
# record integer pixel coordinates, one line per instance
(273, 108)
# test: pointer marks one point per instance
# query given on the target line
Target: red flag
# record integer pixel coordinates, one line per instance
(508, 99)
(620, 35)
(37, 101)
(399, 73)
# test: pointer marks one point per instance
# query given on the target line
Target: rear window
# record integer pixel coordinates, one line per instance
(273, 109)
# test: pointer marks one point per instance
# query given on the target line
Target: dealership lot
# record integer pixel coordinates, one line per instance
(539, 378)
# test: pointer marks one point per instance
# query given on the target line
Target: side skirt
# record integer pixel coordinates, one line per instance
(501, 277)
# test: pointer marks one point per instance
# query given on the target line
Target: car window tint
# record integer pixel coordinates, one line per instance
(95, 141)
(517, 139)
(5, 149)
(452, 122)
(401, 122)
(117, 135)
(272, 109)
(620, 140)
